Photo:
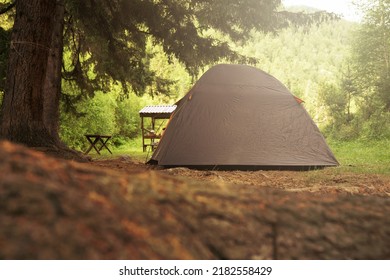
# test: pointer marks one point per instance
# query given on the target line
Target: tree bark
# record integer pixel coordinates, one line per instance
(52, 84)
(22, 114)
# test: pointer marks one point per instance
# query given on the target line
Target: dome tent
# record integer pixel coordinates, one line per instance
(239, 117)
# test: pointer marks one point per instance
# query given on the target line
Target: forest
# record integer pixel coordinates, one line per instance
(340, 69)
(71, 68)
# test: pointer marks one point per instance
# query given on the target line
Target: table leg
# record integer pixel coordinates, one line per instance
(104, 145)
(93, 143)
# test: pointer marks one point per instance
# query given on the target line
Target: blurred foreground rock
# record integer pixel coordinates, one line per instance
(57, 209)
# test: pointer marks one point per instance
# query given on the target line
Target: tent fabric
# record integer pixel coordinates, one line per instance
(238, 116)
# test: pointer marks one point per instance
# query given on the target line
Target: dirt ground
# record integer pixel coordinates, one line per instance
(330, 180)
(53, 208)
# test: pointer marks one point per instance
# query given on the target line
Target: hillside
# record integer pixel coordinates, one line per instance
(304, 58)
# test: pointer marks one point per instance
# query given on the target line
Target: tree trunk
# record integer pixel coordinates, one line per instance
(52, 209)
(22, 115)
(52, 86)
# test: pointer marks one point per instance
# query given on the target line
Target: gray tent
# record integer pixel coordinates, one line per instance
(239, 117)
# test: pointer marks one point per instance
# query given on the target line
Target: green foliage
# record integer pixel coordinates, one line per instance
(101, 114)
(72, 131)
(377, 126)
(371, 50)
(167, 69)
(366, 84)
(343, 120)
(111, 113)
(334, 100)
(115, 35)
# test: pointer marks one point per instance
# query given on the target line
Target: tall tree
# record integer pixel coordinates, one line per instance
(372, 53)
(22, 108)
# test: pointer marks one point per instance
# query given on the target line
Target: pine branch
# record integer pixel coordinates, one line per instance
(6, 9)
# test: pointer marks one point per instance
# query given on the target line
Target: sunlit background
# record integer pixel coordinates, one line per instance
(345, 8)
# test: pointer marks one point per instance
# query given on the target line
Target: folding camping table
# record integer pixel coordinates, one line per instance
(94, 139)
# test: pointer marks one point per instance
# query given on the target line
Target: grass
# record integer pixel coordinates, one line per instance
(362, 157)
(133, 149)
